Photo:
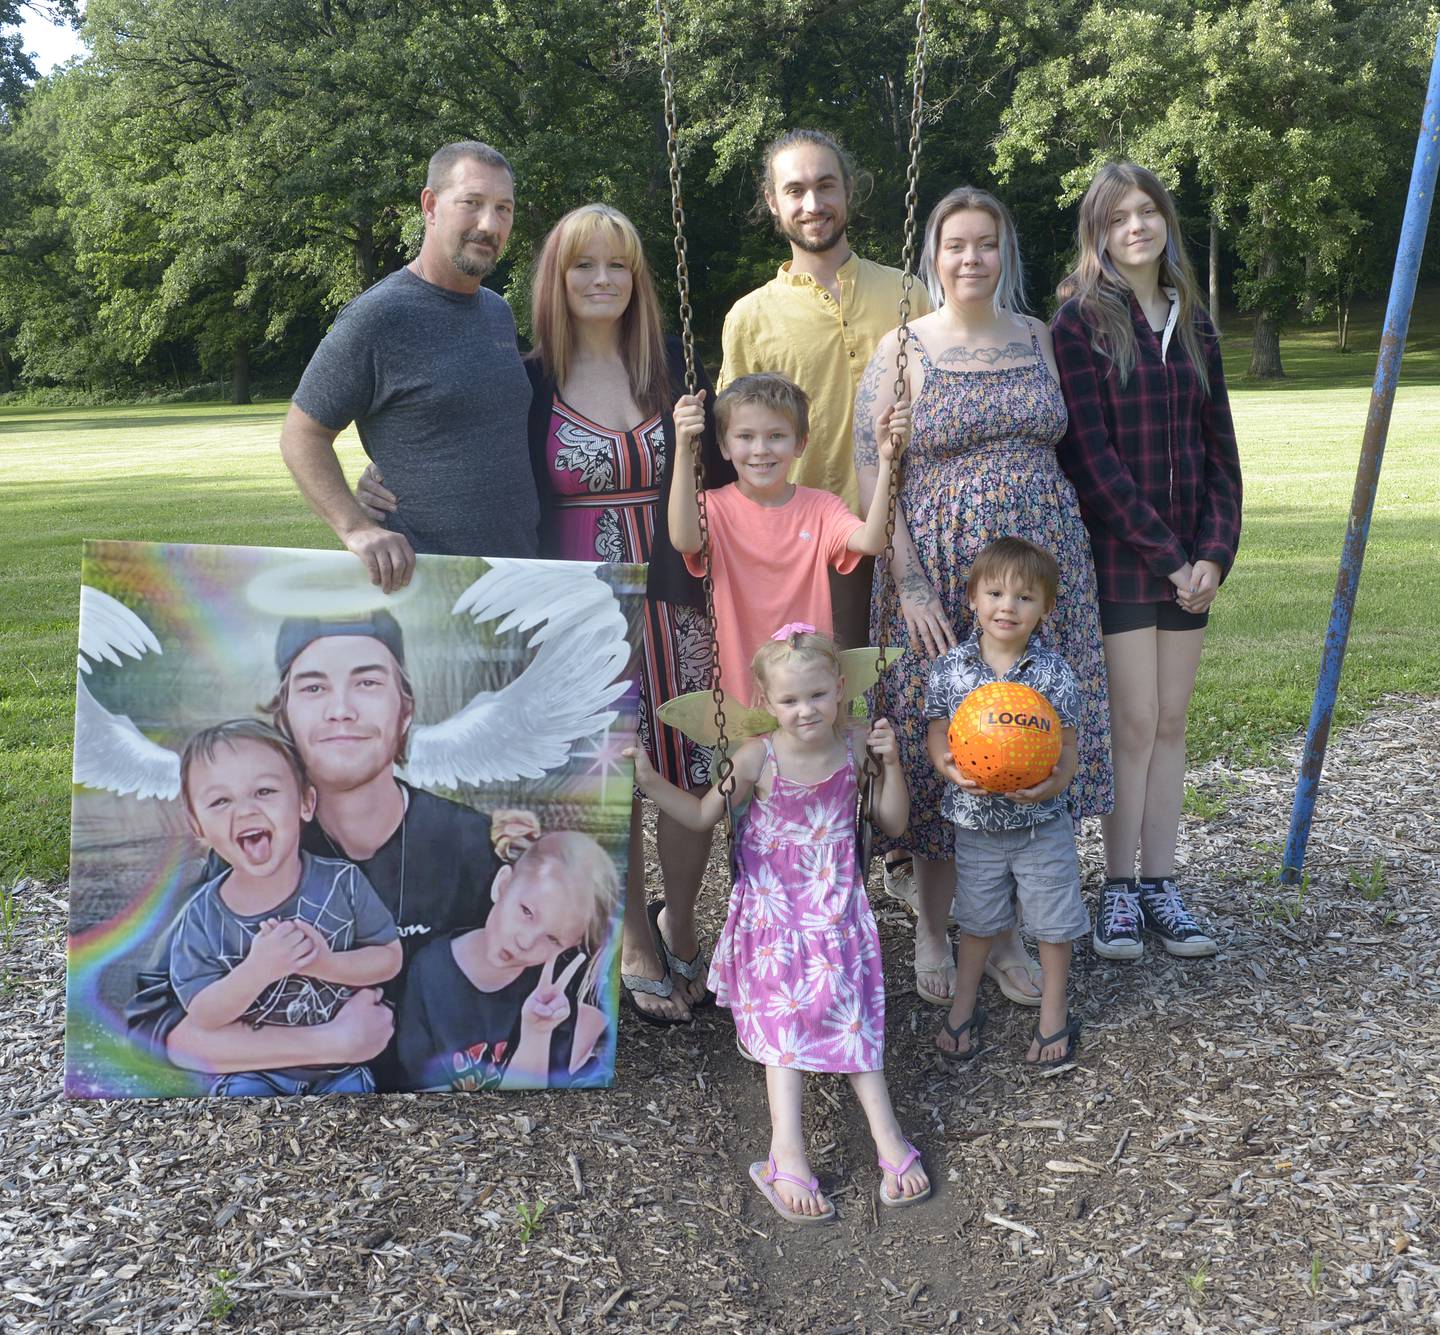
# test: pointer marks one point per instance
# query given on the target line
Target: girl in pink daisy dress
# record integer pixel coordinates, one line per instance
(798, 961)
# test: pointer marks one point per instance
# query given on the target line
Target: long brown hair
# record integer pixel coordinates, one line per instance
(642, 348)
(1104, 296)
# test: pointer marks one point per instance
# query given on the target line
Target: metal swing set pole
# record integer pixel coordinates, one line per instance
(1372, 453)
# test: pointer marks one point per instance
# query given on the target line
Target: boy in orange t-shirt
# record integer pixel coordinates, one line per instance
(771, 541)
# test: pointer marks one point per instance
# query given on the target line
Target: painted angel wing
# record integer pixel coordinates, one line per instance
(110, 751)
(527, 728)
(108, 629)
(522, 595)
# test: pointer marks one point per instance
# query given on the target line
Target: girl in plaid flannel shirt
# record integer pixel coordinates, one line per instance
(1151, 450)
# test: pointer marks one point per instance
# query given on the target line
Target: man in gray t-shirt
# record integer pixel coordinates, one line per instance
(426, 365)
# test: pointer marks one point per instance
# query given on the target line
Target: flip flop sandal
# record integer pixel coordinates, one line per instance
(690, 969)
(998, 971)
(900, 882)
(946, 967)
(899, 1202)
(764, 1175)
(975, 1025)
(746, 1053)
(1072, 1032)
(631, 983)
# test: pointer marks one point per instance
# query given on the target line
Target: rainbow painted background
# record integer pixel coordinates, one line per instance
(134, 862)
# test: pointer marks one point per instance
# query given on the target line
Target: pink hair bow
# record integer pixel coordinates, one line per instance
(793, 628)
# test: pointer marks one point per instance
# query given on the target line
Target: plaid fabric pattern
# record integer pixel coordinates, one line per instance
(1154, 463)
(957, 673)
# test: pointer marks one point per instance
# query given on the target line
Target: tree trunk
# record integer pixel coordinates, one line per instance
(240, 373)
(1307, 305)
(7, 380)
(1215, 272)
(365, 254)
(1265, 350)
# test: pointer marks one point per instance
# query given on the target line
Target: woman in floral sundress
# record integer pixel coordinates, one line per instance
(987, 412)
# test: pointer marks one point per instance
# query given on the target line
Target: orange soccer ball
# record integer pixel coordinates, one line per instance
(1005, 736)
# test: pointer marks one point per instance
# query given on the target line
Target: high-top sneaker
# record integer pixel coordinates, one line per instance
(1117, 924)
(1163, 912)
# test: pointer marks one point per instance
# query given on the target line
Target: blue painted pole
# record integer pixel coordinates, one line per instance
(1367, 477)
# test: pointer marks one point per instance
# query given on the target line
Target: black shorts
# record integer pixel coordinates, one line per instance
(1117, 618)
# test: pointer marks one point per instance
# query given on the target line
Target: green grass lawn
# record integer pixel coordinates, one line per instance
(213, 474)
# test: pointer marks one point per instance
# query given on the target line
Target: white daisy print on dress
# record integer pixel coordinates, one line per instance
(794, 1047)
(790, 997)
(853, 1034)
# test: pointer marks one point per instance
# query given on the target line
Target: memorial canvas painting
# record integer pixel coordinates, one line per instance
(328, 840)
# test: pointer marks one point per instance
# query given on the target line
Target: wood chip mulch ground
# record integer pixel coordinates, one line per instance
(1250, 1143)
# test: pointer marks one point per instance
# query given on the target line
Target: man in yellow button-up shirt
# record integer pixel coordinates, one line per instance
(818, 321)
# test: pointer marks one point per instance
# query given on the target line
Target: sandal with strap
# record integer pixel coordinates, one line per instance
(1071, 1032)
(765, 1175)
(911, 1154)
(664, 988)
(999, 972)
(974, 1026)
(690, 969)
(942, 968)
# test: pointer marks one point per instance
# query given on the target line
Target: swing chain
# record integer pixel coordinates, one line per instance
(726, 766)
(907, 282)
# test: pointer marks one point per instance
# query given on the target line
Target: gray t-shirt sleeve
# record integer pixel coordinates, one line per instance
(339, 382)
(374, 924)
(198, 946)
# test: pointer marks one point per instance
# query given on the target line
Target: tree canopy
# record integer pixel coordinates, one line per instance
(202, 192)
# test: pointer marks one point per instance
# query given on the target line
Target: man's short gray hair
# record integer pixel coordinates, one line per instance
(444, 160)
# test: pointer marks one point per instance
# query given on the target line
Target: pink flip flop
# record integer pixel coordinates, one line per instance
(899, 1201)
(764, 1175)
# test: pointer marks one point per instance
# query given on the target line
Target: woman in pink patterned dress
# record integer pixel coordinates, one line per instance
(602, 377)
(798, 961)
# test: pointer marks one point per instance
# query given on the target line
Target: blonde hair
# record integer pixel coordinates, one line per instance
(642, 347)
(1010, 287)
(1104, 296)
(583, 866)
(770, 390)
(799, 647)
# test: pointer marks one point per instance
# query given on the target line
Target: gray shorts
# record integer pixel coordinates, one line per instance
(1037, 865)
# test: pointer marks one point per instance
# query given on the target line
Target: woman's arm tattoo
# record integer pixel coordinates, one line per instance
(913, 584)
(867, 448)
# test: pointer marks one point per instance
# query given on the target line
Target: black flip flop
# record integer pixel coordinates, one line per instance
(631, 983)
(1071, 1031)
(690, 969)
(961, 1061)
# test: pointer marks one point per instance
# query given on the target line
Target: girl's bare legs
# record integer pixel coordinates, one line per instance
(684, 854)
(785, 1088)
(1177, 659)
(890, 1143)
(637, 946)
(935, 882)
(1131, 662)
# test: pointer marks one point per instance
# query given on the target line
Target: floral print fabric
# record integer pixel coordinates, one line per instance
(981, 465)
(798, 960)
